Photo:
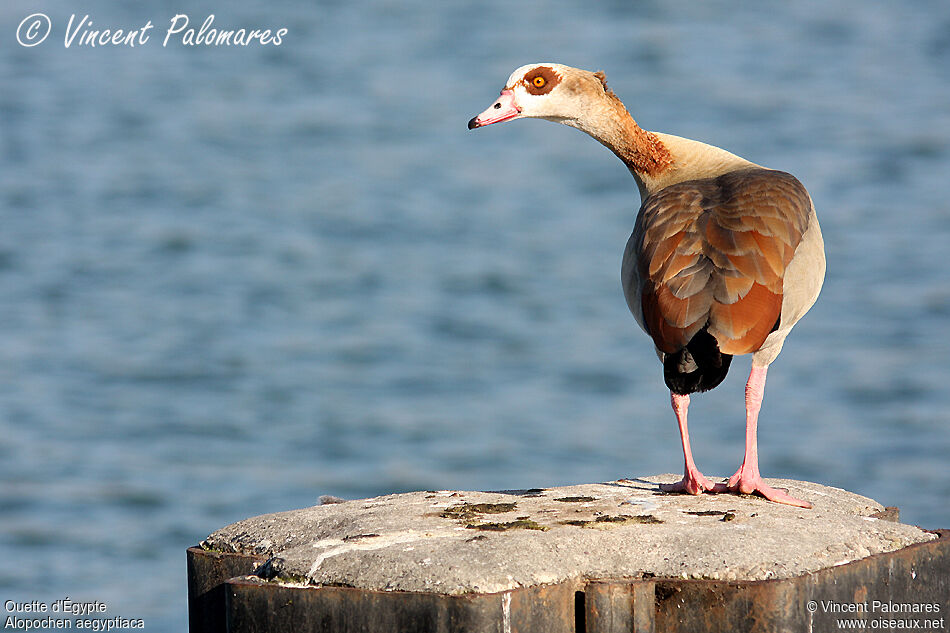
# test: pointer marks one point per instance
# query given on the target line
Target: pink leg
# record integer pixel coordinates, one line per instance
(693, 481)
(747, 479)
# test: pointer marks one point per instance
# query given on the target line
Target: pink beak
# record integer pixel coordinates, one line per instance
(502, 110)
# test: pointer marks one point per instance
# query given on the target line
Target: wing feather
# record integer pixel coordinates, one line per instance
(713, 253)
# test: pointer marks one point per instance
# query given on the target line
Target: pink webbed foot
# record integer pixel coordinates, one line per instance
(746, 481)
(693, 482)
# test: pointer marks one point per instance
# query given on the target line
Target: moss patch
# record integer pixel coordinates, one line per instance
(581, 499)
(624, 519)
(706, 513)
(727, 515)
(577, 522)
(606, 522)
(520, 524)
(464, 511)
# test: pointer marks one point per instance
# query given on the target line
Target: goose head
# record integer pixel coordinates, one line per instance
(554, 92)
(582, 100)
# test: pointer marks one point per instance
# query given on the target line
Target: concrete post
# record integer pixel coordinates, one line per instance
(597, 558)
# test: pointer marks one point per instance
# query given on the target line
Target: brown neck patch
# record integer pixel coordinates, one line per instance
(637, 148)
(541, 80)
(650, 155)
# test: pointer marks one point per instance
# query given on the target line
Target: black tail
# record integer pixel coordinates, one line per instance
(699, 366)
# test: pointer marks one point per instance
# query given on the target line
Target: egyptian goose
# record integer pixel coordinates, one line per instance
(725, 257)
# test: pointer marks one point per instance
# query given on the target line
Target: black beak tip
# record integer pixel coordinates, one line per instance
(472, 124)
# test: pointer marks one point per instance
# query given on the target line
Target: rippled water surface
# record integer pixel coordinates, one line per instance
(235, 279)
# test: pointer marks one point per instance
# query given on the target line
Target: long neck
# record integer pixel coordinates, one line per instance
(641, 151)
(656, 160)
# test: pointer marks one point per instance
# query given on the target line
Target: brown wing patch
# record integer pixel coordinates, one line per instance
(741, 327)
(663, 252)
(680, 312)
(667, 336)
(713, 253)
(772, 251)
(734, 287)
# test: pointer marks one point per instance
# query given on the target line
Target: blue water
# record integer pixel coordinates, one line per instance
(235, 279)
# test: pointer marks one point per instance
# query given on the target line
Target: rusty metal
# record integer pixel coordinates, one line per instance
(257, 605)
(240, 604)
(619, 606)
(208, 575)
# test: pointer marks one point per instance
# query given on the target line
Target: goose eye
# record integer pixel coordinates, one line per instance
(540, 81)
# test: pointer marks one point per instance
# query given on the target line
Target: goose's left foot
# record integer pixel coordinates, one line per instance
(747, 481)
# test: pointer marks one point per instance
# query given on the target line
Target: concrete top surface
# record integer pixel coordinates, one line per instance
(455, 542)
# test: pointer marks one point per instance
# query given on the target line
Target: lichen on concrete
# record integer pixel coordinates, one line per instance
(457, 542)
